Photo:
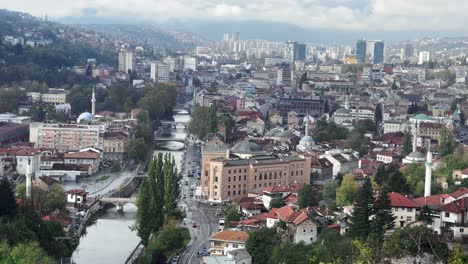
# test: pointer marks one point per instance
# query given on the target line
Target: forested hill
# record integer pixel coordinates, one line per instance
(54, 51)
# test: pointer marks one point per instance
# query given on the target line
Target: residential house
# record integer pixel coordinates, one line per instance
(342, 163)
(237, 256)
(249, 206)
(227, 240)
(454, 217)
(77, 196)
(300, 226)
(88, 157)
(321, 171)
(45, 182)
(404, 209)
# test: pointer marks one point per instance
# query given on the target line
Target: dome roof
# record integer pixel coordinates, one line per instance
(247, 147)
(85, 117)
(342, 111)
(423, 117)
(307, 139)
(416, 155)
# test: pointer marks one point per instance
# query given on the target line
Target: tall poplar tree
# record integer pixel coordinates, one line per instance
(143, 216)
(157, 202)
(361, 226)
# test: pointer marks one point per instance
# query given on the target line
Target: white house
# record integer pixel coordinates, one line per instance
(84, 157)
(404, 209)
(227, 240)
(76, 196)
(454, 216)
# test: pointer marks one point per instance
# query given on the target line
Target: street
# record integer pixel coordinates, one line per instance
(202, 214)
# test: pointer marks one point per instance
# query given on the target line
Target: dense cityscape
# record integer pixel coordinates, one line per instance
(145, 144)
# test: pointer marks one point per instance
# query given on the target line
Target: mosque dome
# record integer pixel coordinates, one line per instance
(85, 117)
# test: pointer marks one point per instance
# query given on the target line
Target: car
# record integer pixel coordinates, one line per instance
(205, 254)
(184, 196)
(205, 249)
(194, 225)
(186, 182)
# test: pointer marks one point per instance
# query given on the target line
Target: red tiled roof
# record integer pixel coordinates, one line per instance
(284, 212)
(457, 206)
(82, 155)
(433, 200)
(291, 199)
(231, 235)
(276, 189)
(298, 217)
(398, 200)
(272, 213)
(77, 191)
(459, 192)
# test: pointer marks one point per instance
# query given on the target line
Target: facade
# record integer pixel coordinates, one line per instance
(25, 157)
(227, 240)
(66, 137)
(370, 51)
(190, 63)
(313, 106)
(160, 72)
(404, 209)
(84, 158)
(233, 178)
(454, 217)
(54, 98)
(423, 57)
(126, 61)
(115, 146)
(361, 51)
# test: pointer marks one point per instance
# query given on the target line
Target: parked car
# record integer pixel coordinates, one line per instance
(194, 225)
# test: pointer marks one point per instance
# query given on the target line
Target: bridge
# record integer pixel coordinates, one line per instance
(181, 140)
(117, 201)
(174, 124)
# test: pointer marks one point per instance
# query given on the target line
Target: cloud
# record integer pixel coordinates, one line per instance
(372, 15)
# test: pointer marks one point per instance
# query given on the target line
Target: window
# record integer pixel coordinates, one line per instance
(234, 186)
(229, 193)
(462, 230)
(240, 178)
(304, 230)
(245, 177)
(245, 170)
(229, 179)
(259, 185)
(235, 171)
(409, 209)
(255, 177)
(229, 186)
(229, 171)
(216, 179)
(260, 177)
(233, 192)
(255, 185)
(311, 230)
(447, 214)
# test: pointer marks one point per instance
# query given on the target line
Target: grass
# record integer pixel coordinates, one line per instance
(103, 178)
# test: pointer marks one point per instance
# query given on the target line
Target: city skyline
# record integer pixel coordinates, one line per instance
(308, 21)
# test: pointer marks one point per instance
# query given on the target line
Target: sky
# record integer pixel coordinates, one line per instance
(360, 17)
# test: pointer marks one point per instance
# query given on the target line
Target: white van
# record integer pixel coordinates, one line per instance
(221, 224)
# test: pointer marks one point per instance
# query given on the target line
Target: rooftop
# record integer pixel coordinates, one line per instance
(231, 235)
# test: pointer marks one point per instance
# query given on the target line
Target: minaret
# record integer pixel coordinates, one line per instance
(346, 104)
(93, 104)
(28, 179)
(415, 136)
(427, 183)
(307, 125)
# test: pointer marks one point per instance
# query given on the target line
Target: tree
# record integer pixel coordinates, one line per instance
(407, 143)
(231, 213)
(457, 256)
(396, 182)
(277, 202)
(137, 149)
(331, 247)
(357, 141)
(171, 181)
(383, 219)
(425, 215)
(261, 243)
(157, 192)
(308, 197)
(30, 253)
(7, 198)
(361, 226)
(348, 191)
(56, 199)
(288, 252)
(143, 216)
(329, 194)
(446, 143)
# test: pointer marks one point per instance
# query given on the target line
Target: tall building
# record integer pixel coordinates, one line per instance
(160, 72)
(171, 61)
(361, 51)
(66, 137)
(379, 48)
(126, 61)
(370, 51)
(190, 63)
(423, 57)
(294, 51)
(408, 51)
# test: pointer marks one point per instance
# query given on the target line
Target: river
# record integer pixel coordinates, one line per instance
(109, 240)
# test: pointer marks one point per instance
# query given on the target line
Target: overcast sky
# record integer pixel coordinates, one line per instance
(356, 15)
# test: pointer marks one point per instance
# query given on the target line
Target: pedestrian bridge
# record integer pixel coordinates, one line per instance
(174, 124)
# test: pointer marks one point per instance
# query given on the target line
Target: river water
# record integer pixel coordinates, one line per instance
(109, 240)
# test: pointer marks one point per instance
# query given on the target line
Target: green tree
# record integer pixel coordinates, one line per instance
(407, 143)
(171, 181)
(29, 253)
(143, 216)
(308, 197)
(329, 194)
(446, 143)
(357, 142)
(231, 213)
(157, 191)
(361, 226)
(288, 252)
(56, 199)
(348, 191)
(137, 149)
(7, 198)
(331, 247)
(396, 182)
(261, 243)
(383, 218)
(425, 215)
(457, 256)
(277, 202)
